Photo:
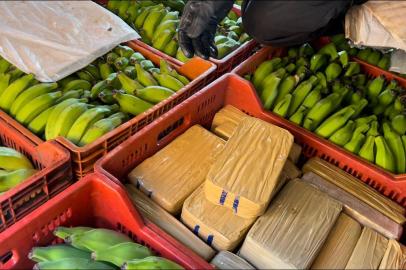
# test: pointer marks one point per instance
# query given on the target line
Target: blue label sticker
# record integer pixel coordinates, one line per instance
(235, 203)
(196, 229)
(223, 197)
(210, 239)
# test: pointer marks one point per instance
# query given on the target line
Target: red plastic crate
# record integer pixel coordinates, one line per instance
(234, 90)
(54, 174)
(84, 158)
(94, 201)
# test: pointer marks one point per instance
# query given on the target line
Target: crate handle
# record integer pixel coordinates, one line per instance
(8, 260)
(173, 130)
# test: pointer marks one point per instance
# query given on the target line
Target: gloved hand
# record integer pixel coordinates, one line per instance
(198, 26)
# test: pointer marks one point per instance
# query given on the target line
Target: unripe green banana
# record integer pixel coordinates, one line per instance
(181, 78)
(270, 91)
(269, 79)
(313, 97)
(131, 72)
(374, 89)
(105, 70)
(332, 71)
(282, 107)
(15, 74)
(373, 130)
(132, 12)
(30, 94)
(334, 122)
(38, 124)
(36, 106)
(122, 9)
(4, 65)
(139, 21)
(344, 134)
(343, 58)
(318, 61)
(168, 81)
(11, 179)
(357, 139)
(365, 120)
(302, 61)
(13, 90)
(11, 159)
(164, 67)
(121, 63)
(165, 25)
(111, 57)
(374, 57)
(290, 68)
(359, 80)
(353, 68)
(72, 263)
(384, 63)
(367, 150)
(299, 115)
(123, 51)
(97, 88)
(394, 142)
(77, 84)
(320, 111)
(152, 21)
(359, 107)
(120, 253)
(330, 50)
(181, 56)
(113, 81)
(263, 70)
(399, 124)
(131, 104)
(56, 252)
(355, 98)
(136, 58)
(70, 94)
(384, 156)
(144, 77)
(154, 94)
(172, 48)
(299, 95)
(322, 79)
(151, 262)
(147, 64)
(63, 232)
(97, 239)
(68, 116)
(129, 85)
(364, 53)
(306, 50)
(162, 40)
(85, 75)
(386, 97)
(106, 96)
(4, 82)
(286, 86)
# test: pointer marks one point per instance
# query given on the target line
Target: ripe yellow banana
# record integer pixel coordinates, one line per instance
(154, 94)
(168, 81)
(13, 90)
(11, 179)
(131, 104)
(10, 159)
(56, 252)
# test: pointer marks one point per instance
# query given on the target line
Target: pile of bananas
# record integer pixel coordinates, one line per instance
(91, 102)
(326, 93)
(158, 25)
(90, 248)
(14, 168)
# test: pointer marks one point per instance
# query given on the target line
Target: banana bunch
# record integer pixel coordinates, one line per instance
(90, 248)
(326, 93)
(90, 103)
(157, 22)
(14, 168)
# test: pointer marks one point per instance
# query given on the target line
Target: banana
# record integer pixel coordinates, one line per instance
(365, 120)
(181, 78)
(123, 51)
(367, 150)
(269, 79)
(146, 64)
(320, 111)
(106, 96)
(357, 139)
(330, 50)
(359, 107)
(355, 98)
(263, 70)
(353, 68)
(84, 121)
(56, 252)
(384, 62)
(105, 70)
(136, 58)
(4, 65)
(97, 88)
(36, 106)
(343, 58)
(374, 89)
(181, 56)
(290, 68)
(332, 71)
(152, 21)
(165, 68)
(121, 63)
(168, 81)
(72, 263)
(300, 93)
(171, 48)
(306, 50)
(131, 72)
(94, 71)
(386, 97)
(394, 142)
(66, 80)
(162, 40)
(335, 122)
(131, 104)
(270, 90)
(144, 77)
(11, 179)
(85, 75)
(150, 263)
(77, 84)
(70, 94)
(4, 82)
(127, 84)
(286, 86)
(63, 232)
(322, 79)
(120, 253)
(318, 61)
(364, 53)
(11, 159)
(13, 90)
(384, 156)
(38, 124)
(15, 74)
(97, 239)
(374, 57)
(165, 25)
(154, 94)
(132, 12)
(299, 115)
(399, 124)
(139, 21)
(281, 108)
(68, 116)
(30, 94)
(373, 130)
(111, 57)
(113, 81)
(313, 97)
(359, 80)
(122, 9)
(344, 134)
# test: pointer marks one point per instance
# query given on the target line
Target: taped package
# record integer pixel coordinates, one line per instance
(395, 256)
(53, 39)
(356, 188)
(369, 251)
(157, 215)
(174, 172)
(339, 245)
(246, 171)
(357, 209)
(227, 260)
(293, 229)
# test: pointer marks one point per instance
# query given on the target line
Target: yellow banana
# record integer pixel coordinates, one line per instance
(68, 116)
(56, 252)
(181, 78)
(384, 156)
(139, 21)
(154, 94)
(13, 178)
(168, 81)
(11, 159)
(13, 90)
(161, 41)
(131, 104)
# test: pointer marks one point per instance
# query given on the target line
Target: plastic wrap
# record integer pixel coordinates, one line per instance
(227, 260)
(174, 172)
(357, 209)
(154, 213)
(395, 256)
(356, 188)
(339, 245)
(293, 229)
(246, 171)
(369, 251)
(216, 225)
(53, 39)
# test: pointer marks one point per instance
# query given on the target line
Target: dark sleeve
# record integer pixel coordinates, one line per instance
(288, 23)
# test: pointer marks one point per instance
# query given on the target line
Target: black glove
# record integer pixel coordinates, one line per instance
(198, 26)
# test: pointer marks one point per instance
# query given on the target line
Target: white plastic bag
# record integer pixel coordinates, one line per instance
(53, 39)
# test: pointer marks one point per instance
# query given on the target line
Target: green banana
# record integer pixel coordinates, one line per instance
(71, 94)
(131, 104)
(280, 73)
(30, 94)
(365, 120)
(11, 179)
(123, 51)
(13, 90)
(399, 123)
(132, 12)
(320, 111)
(384, 62)
(94, 71)
(343, 58)
(168, 81)
(165, 25)
(368, 149)
(353, 51)
(359, 107)
(359, 80)
(322, 79)
(85, 75)
(154, 94)
(364, 53)
(56, 252)
(338, 39)
(63, 232)
(286, 86)
(374, 57)
(136, 58)
(105, 70)
(36, 106)
(144, 77)
(330, 50)
(97, 88)
(344, 134)
(281, 108)
(270, 91)
(120, 253)
(151, 262)
(106, 96)
(111, 57)
(290, 68)
(66, 80)
(374, 89)
(373, 130)
(122, 9)
(139, 21)
(313, 97)
(72, 263)
(4, 82)
(152, 21)
(293, 52)
(38, 124)
(299, 115)
(299, 95)
(77, 84)
(318, 61)
(131, 72)
(68, 117)
(394, 142)
(15, 74)
(306, 50)
(164, 67)
(357, 139)
(11, 159)
(146, 64)
(181, 56)
(353, 68)
(127, 84)
(335, 122)
(113, 81)
(4, 65)
(263, 70)
(384, 156)
(121, 63)
(355, 98)
(332, 71)
(302, 61)
(162, 40)
(172, 48)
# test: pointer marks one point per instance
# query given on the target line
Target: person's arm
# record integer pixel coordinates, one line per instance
(198, 26)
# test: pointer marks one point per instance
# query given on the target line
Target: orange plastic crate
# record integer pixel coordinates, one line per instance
(83, 158)
(54, 175)
(97, 202)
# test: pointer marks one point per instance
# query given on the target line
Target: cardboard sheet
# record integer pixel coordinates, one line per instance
(216, 225)
(53, 39)
(246, 171)
(174, 172)
(227, 260)
(357, 209)
(369, 251)
(339, 245)
(293, 229)
(395, 256)
(156, 214)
